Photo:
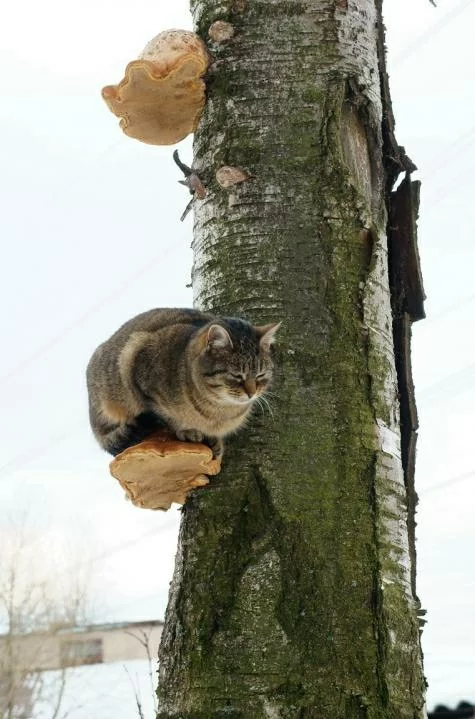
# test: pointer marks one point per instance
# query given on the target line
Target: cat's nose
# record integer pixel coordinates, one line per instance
(250, 387)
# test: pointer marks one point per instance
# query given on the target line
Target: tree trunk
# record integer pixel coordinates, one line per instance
(292, 594)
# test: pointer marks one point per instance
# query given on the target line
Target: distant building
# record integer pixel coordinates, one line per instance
(63, 647)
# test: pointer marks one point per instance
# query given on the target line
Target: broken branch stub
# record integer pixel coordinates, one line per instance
(162, 470)
(162, 95)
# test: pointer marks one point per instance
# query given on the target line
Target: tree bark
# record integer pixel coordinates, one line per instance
(292, 594)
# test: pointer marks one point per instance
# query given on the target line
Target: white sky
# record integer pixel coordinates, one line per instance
(91, 236)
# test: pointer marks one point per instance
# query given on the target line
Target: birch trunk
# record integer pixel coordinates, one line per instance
(292, 594)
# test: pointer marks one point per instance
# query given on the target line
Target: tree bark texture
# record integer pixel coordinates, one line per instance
(292, 594)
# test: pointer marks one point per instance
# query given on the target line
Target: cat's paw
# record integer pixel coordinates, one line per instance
(217, 445)
(189, 435)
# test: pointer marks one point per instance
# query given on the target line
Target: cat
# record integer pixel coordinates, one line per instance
(192, 372)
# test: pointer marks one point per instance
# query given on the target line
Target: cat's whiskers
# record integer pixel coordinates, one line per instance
(238, 400)
(264, 404)
(256, 401)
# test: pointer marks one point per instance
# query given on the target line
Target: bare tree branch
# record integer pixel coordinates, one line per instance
(144, 640)
(136, 693)
(60, 694)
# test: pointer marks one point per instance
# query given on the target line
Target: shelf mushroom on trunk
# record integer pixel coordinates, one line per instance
(161, 470)
(162, 95)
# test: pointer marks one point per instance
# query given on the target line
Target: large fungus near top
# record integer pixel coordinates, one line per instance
(162, 95)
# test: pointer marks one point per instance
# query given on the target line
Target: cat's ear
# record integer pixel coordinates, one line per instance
(218, 338)
(266, 334)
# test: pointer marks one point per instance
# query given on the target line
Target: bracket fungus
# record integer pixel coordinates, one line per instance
(228, 176)
(161, 470)
(162, 94)
(220, 31)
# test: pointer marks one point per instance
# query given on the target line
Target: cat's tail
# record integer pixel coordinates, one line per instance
(115, 437)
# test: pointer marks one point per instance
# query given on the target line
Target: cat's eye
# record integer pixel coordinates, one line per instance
(237, 377)
(261, 376)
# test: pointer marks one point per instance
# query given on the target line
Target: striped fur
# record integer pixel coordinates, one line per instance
(192, 372)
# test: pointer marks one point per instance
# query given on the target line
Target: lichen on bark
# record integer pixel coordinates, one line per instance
(292, 596)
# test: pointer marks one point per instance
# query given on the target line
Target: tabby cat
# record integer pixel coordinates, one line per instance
(192, 372)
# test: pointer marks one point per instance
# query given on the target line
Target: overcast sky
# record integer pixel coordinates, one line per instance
(91, 236)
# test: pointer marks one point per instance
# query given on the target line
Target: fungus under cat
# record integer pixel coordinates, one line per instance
(192, 372)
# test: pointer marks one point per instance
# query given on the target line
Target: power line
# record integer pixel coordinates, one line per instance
(450, 151)
(130, 280)
(120, 547)
(445, 190)
(454, 383)
(424, 37)
(31, 452)
(117, 549)
(101, 556)
(85, 170)
(448, 482)
(446, 311)
(135, 601)
(447, 155)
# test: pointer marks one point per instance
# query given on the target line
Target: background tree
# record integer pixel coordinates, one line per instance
(36, 595)
(294, 592)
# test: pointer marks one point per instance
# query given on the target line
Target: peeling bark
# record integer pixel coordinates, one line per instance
(407, 301)
(292, 595)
